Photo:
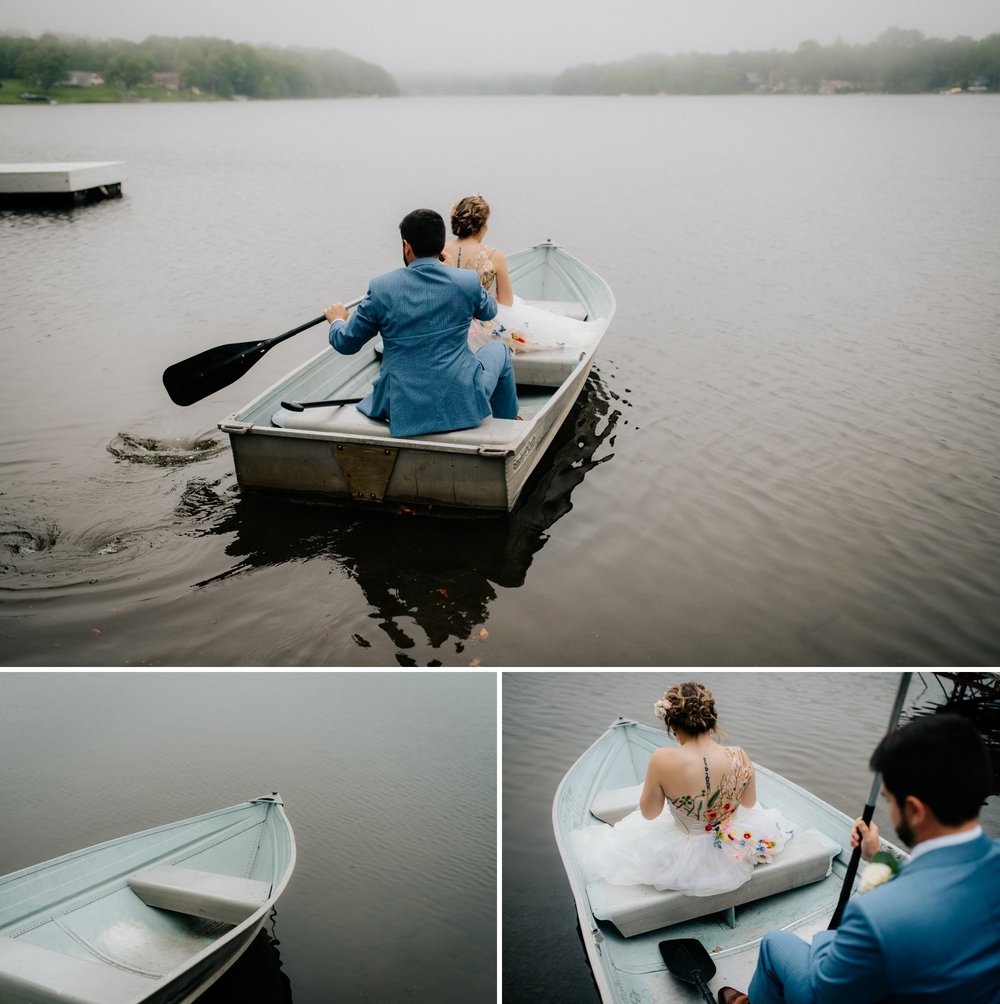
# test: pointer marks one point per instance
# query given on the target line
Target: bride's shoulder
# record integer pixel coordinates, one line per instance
(665, 756)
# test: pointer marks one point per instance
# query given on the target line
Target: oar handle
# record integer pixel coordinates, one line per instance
(703, 987)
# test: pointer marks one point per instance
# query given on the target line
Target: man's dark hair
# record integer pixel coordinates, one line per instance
(424, 231)
(943, 761)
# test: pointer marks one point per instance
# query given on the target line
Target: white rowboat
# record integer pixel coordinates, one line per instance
(152, 918)
(337, 455)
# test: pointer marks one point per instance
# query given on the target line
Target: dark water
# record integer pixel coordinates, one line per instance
(389, 782)
(786, 455)
(817, 729)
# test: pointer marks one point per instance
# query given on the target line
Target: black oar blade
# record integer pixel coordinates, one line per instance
(195, 378)
(689, 961)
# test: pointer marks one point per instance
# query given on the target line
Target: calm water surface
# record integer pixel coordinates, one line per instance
(786, 455)
(817, 729)
(389, 782)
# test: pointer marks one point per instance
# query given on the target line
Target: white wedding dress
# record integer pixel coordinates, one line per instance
(701, 845)
(522, 326)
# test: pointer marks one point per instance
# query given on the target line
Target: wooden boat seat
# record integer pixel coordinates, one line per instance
(40, 975)
(202, 894)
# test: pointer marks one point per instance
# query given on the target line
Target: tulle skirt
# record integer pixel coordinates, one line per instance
(526, 328)
(661, 853)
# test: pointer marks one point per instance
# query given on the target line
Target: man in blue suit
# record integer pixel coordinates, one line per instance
(431, 381)
(932, 933)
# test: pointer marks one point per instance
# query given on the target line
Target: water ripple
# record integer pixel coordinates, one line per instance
(139, 449)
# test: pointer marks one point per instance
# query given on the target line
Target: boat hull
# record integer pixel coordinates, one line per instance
(336, 456)
(81, 929)
(628, 969)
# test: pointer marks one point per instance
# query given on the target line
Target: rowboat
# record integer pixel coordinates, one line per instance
(623, 926)
(154, 917)
(335, 454)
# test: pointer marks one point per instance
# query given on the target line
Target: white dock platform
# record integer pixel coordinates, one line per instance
(78, 182)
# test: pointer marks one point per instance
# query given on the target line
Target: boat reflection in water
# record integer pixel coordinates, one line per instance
(256, 977)
(440, 573)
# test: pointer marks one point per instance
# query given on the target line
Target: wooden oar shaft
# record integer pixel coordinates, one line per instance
(852, 867)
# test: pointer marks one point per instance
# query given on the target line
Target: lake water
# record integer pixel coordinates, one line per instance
(389, 782)
(816, 728)
(786, 455)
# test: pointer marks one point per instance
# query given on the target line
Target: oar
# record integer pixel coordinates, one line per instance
(200, 375)
(302, 405)
(689, 961)
(852, 868)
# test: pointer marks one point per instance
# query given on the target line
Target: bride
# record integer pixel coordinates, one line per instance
(518, 324)
(698, 828)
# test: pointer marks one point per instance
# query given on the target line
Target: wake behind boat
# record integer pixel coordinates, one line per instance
(335, 454)
(152, 918)
(622, 926)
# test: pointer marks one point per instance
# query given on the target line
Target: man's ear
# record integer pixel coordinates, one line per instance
(408, 254)
(915, 811)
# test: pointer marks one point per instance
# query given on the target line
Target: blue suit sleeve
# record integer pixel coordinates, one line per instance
(347, 337)
(848, 964)
(486, 308)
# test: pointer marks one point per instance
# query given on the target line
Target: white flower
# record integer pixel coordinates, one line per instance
(873, 875)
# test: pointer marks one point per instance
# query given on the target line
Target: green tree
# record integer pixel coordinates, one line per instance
(128, 69)
(46, 64)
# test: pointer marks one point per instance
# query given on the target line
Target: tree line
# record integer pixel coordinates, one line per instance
(899, 61)
(212, 65)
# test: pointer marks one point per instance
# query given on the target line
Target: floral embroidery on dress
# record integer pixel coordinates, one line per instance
(483, 264)
(716, 809)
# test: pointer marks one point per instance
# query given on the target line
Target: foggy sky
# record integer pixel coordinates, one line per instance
(510, 36)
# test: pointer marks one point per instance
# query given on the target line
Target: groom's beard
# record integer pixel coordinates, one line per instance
(905, 833)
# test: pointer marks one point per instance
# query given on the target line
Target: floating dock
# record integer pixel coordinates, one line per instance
(61, 184)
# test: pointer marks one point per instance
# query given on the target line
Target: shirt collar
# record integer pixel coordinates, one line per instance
(949, 841)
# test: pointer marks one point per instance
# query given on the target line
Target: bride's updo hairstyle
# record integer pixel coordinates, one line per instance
(688, 706)
(469, 216)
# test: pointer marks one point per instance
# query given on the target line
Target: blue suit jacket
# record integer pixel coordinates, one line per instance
(430, 380)
(931, 933)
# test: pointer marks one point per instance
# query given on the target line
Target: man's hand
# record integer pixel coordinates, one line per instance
(867, 837)
(335, 312)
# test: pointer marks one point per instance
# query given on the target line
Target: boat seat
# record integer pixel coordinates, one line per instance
(567, 308)
(616, 803)
(636, 909)
(495, 432)
(547, 367)
(30, 974)
(202, 894)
